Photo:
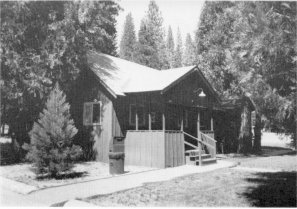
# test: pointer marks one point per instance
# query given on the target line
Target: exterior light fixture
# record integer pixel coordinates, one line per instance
(201, 94)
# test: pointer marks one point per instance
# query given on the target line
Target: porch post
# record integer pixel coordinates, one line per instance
(136, 122)
(198, 125)
(199, 137)
(211, 123)
(163, 122)
(150, 121)
(182, 125)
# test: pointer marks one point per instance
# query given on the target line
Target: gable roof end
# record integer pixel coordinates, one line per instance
(121, 76)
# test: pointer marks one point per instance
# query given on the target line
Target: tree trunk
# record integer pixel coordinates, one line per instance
(245, 135)
(257, 133)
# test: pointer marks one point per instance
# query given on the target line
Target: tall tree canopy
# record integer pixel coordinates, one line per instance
(251, 48)
(178, 53)
(189, 52)
(170, 47)
(43, 42)
(151, 46)
(128, 41)
(213, 36)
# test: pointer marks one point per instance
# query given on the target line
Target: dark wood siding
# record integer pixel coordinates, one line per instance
(151, 101)
(183, 93)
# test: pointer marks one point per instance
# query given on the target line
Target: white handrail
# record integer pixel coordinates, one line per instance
(199, 140)
(208, 137)
(191, 145)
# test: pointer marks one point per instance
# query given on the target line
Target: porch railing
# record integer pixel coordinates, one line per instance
(209, 133)
(205, 140)
(210, 143)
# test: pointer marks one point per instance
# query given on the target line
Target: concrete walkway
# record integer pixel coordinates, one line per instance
(54, 195)
(15, 186)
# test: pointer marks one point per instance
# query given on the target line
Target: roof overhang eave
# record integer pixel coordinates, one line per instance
(165, 89)
(108, 89)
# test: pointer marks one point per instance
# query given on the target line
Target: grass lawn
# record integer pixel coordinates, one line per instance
(225, 187)
(285, 162)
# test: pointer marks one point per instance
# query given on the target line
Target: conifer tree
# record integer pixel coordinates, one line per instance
(178, 54)
(164, 61)
(189, 52)
(128, 41)
(150, 46)
(146, 54)
(52, 150)
(170, 47)
(49, 44)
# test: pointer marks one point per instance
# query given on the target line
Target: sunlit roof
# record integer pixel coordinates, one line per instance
(121, 76)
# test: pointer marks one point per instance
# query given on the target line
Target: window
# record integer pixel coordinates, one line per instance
(183, 117)
(153, 117)
(139, 109)
(92, 113)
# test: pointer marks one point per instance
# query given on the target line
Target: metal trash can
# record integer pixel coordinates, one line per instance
(116, 162)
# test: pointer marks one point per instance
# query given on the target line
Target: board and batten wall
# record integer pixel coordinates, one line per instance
(103, 133)
(155, 148)
(174, 149)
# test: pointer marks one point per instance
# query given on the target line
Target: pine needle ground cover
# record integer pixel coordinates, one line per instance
(221, 188)
(84, 171)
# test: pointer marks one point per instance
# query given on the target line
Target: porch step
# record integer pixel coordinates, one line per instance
(207, 161)
(196, 157)
(191, 160)
(193, 152)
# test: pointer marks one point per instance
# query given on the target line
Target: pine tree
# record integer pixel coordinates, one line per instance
(189, 52)
(150, 46)
(53, 36)
(164, 61)
(128, 41)
(146, 54)
(170, 47)
(178, 54)
(52, 150)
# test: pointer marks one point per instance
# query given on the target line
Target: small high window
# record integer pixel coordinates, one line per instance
(92, 113)
(139, 109)
(184, 117)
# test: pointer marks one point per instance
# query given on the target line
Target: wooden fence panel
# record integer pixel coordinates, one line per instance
(154, 148)
(174, 148)
(145, 148)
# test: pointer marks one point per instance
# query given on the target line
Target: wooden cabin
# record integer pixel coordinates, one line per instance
(153, 116)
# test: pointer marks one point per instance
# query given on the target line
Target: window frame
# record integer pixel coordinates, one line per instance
(92, 113)
(185, 118)
(130, 114)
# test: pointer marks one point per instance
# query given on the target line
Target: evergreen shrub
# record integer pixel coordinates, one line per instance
(52, 151)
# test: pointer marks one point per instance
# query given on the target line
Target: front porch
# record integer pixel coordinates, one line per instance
(169, 137)
(167, 148)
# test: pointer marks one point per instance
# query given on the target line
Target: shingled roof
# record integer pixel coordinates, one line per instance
(120, 76)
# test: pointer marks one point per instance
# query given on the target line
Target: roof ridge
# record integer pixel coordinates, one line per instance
(122, 60)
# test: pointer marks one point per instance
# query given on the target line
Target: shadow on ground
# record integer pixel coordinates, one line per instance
(272, 189)
(71, 175)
